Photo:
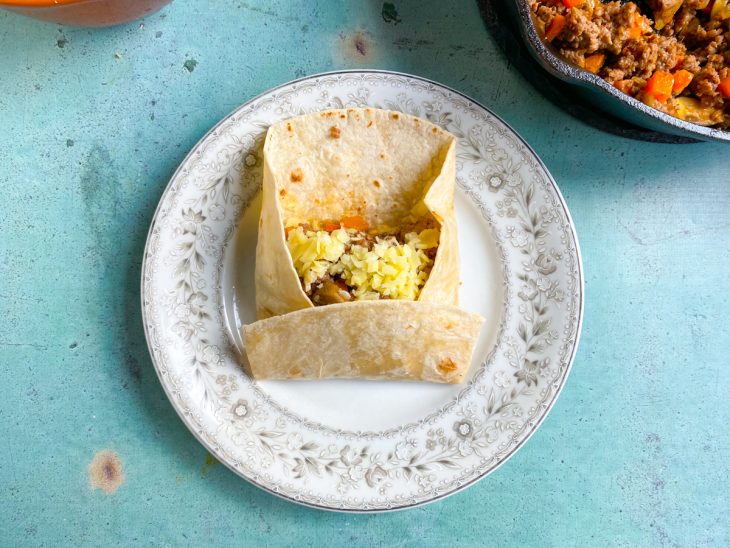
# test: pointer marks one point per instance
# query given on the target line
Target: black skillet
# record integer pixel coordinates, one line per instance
(577, 91)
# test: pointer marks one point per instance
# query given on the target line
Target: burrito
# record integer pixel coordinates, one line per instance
(357, 246)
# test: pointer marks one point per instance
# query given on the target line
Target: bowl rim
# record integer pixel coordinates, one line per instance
(30, 4)
(578, 76)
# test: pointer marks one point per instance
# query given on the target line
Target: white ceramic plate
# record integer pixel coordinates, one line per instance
(359, 445)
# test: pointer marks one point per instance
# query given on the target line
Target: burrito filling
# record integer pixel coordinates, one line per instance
(346, 261)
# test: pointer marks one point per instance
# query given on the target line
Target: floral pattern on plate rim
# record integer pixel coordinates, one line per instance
(362, 471)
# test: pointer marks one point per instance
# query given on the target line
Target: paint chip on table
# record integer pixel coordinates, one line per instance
(105, 472)
(355, 48)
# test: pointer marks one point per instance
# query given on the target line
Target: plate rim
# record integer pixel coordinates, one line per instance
(579, 308)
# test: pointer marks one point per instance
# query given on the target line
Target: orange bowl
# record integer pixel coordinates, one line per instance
(84, 13)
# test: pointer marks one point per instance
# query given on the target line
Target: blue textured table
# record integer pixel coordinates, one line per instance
(93, 123)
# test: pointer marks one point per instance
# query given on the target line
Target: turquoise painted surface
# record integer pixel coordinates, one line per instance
(93, 123)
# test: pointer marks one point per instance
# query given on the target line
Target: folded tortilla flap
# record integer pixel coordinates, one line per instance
(381, 165)
(442, 286)
(385, 340)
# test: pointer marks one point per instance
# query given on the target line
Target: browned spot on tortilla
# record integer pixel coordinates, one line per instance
(296, 175)
(342, 116)
(376, 183)
(288, 126)
(417, 121)
(449, 325)
(295, 372)
(282, 192)
(370, 123)
(105, 472)
(350, 110)
(446, 366)
(335, 132)
(382, 156)
(433, 129)
(327, 114)
(395, 116)
(317, 201)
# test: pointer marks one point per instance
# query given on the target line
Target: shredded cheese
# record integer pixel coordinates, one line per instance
(389, 269)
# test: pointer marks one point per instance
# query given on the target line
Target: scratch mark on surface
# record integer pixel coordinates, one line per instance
(631, 234)
(264, 11)
(31, 345)
(266, 524)
(409, 43)
(100, 192)
(673, 235)
(105, 472)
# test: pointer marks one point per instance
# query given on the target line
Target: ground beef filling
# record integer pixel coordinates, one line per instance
(347, 264)
(674, 55)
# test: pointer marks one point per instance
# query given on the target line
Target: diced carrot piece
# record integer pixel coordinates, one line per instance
(639, 26)
(356, 222)
(660, 85)
(329, 226)
(593, 63)
(624, 86)
(555, 27)
(724, 87)
(682, 78)
(572, 3)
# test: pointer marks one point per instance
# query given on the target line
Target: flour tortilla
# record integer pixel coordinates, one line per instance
(388, 168)
(384, 166)
(387, 340)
